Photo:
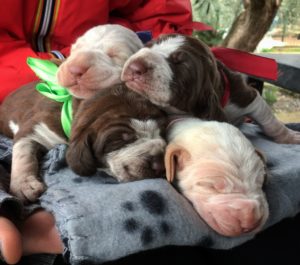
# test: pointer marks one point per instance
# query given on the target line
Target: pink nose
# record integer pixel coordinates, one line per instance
(249, 216)
(241, 216)
(138, 68)
(233, 217)
(77, 70)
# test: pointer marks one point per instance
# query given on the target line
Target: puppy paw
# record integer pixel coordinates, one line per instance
(295, 137)
(28, 189)
(289, 137)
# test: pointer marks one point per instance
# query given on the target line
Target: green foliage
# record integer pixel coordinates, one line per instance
(266, 50)
(269, 94)
(282, 50)
(218, 14)
(289, 12)
(211, 38)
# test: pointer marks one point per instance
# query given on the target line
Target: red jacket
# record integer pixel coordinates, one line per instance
(46, 28)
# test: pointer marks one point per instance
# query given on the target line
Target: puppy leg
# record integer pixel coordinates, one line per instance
(259, 111)
(262, 114)
(24, 172)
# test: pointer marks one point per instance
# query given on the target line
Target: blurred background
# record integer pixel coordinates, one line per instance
(260, 26)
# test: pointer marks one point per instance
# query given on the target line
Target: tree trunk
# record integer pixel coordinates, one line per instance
(252, 24)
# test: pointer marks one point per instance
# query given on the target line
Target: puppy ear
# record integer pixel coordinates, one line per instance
(261, 155)
(80, 158)
(264, 159)
(175, 159)
(207, 103)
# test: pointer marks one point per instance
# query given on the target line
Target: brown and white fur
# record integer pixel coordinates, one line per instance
(116, 129)
(181, 74)
(95, 63)
(219, 171)
(96, 59)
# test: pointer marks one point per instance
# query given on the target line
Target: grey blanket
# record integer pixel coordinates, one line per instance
(101, 220)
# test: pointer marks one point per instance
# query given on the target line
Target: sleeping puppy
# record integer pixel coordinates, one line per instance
(181, 74)
(96, 59)
(121, 131)
(116, 129)
(219, 171)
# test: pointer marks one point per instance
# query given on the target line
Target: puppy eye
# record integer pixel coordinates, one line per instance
(128, 137)
(177, 57)
(113, 145)
(118, 140)
(112, 53)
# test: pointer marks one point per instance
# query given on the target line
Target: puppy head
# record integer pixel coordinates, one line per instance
(140, 158)
(124, 140)
(221, 174)
(96, 59)
(177, 71)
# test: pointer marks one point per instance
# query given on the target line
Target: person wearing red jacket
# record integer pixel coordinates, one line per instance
(45, 29)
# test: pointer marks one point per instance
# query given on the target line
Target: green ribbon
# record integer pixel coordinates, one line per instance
(46, 70)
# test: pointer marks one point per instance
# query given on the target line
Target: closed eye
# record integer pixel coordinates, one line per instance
(177, 57)
(118, 140)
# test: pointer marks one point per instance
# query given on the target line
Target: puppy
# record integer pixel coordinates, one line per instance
(218, 170)
(181, 74)
(121, 131)
(117, 129)
(96, 59)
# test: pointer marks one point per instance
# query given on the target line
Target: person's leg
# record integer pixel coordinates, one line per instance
(37, 234)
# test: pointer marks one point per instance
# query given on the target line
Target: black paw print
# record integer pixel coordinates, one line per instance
(206, 242)
(153, 203)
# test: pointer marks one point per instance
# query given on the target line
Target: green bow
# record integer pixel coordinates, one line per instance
(46, 70)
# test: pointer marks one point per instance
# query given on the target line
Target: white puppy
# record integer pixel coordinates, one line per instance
(96, 59)
(219, 171)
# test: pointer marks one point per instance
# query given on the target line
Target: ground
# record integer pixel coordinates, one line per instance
(285, 104)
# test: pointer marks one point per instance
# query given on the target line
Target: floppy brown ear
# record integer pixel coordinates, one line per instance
(207, 103)
(175, 159)
(80, 158)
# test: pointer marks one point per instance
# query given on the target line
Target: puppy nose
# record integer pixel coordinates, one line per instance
(157, 165)
(77, 70)
(138, 68)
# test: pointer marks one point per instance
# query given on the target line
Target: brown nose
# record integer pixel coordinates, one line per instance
(138, 68)
(157, 165)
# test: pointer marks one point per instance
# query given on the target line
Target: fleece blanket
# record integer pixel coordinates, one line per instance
(101, 220)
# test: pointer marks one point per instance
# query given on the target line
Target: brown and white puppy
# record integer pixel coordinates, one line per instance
(96, 59)
(219, 171)
(117, 129)
(181, 74)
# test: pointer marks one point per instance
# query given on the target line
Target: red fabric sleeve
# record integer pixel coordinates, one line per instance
(17, 23)
(158, 16)
(14, 70)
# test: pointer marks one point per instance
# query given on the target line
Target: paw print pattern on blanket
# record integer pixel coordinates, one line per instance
(153, 203)
(206, 242)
